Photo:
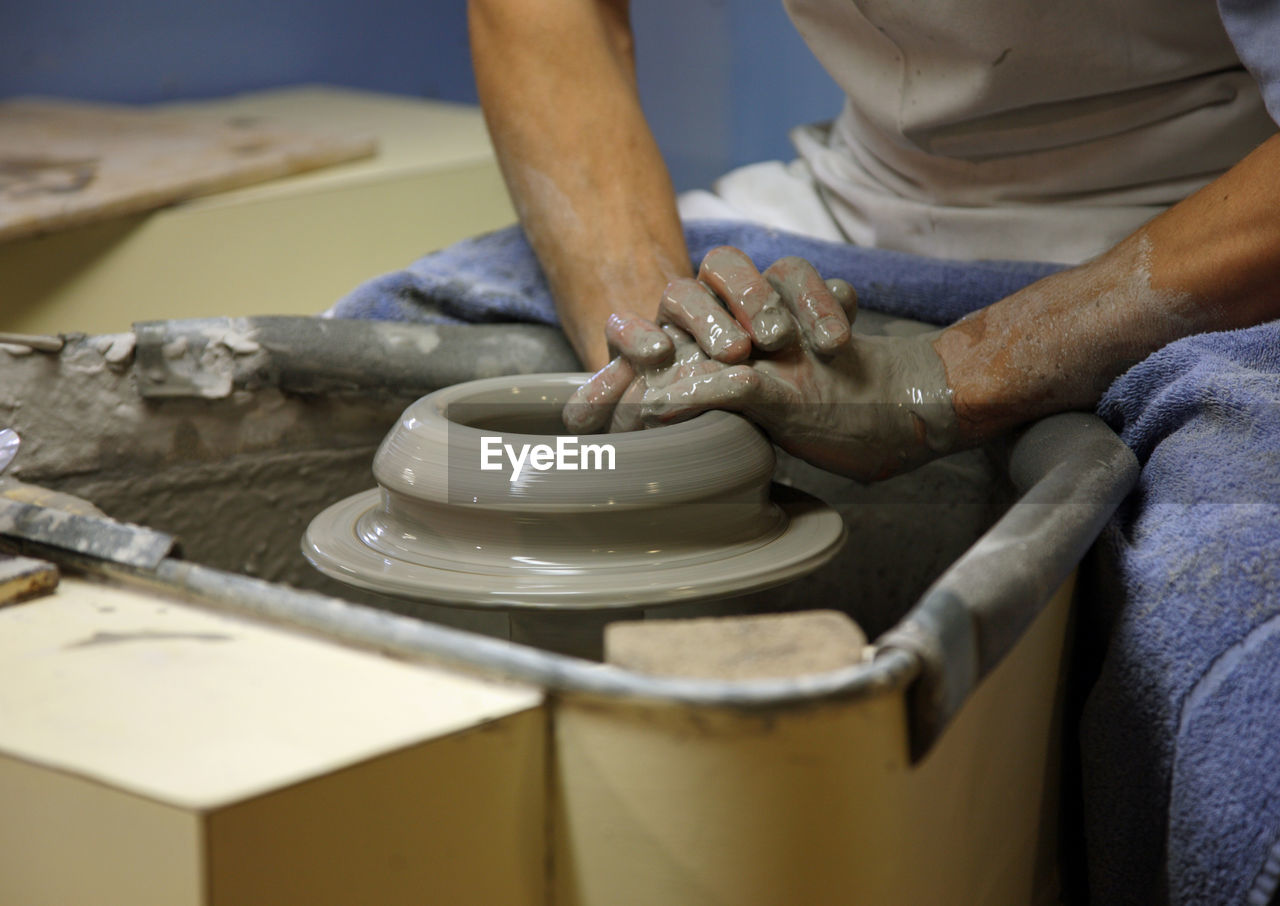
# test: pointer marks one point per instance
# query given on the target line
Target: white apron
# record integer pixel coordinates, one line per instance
(1023, 129)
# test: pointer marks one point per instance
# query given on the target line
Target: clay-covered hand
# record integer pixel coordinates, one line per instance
(866, 407)
(874, 408)
(728, 312)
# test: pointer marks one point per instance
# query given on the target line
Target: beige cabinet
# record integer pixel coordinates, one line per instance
(290, 246)
(153, 753)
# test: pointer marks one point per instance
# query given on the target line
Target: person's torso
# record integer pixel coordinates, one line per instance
(994, 117)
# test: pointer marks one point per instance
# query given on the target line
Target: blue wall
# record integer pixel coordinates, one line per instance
(722, 80)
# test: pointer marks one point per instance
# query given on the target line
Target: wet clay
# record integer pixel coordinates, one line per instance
(233, 433)
(751, 296)
(867, 408)
(686, 514)
(644, 341)
(204, 470)
(690, 306)
(237, 479)
(877, 407)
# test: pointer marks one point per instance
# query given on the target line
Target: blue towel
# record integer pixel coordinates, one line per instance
(496, 278)
(1181, 734)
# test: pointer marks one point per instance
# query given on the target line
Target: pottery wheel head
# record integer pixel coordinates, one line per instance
(484, 500)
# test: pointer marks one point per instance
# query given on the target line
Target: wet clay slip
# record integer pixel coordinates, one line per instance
(686, 513)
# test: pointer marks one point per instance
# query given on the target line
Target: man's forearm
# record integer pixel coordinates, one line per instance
(1211, 262)
(557, 83)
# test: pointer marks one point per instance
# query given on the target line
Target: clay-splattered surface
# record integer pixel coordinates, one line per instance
(237, 479)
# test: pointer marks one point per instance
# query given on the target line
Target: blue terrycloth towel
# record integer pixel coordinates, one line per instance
(1181, 733)
(496, 278)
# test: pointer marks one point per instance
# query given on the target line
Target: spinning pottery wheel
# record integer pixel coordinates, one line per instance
(685, 512)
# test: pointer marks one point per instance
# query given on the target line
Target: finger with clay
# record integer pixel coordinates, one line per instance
(750, 296)
(824, 309)
(865, 407)
(730, 311)
(688, 364)
(876, 407)
(634, 342)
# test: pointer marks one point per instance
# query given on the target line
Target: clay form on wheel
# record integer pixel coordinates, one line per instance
(687, 512)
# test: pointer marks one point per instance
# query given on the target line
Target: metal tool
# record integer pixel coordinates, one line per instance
(92, 536)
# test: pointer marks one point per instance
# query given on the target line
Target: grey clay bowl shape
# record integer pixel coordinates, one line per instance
(686, 512)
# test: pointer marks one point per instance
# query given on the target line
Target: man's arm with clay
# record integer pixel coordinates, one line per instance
(558, 87)
(1210, 262)
(869, 407)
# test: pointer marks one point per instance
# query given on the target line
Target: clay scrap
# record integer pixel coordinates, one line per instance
(23, 578)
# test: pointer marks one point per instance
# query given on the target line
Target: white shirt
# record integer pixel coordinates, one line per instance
(1021, 129)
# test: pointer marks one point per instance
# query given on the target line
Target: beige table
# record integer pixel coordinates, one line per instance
(290, 246)
(155, 753)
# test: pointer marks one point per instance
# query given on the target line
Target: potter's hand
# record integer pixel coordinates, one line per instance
(876, 407)
(729, 311)
(611, 399)
(866, 407)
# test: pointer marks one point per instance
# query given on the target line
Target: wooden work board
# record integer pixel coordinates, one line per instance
(65, 163)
